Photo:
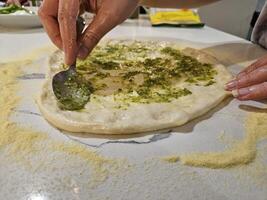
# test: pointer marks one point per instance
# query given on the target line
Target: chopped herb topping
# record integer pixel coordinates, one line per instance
(143, 72)
(144, 95)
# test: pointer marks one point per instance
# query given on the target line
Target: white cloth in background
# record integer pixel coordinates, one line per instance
(259, 34)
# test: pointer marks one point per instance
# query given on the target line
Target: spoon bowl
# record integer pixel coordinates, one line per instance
(70, 89)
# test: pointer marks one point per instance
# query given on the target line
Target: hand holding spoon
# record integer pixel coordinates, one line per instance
(70, 89)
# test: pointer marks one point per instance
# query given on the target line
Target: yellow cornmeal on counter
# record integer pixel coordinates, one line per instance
(21, 143)
(171, 159)
(241, 153)
(175, 17)
(17, 139)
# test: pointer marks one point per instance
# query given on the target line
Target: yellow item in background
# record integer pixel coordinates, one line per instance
(174, 17)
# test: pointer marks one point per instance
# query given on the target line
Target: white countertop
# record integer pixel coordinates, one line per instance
(149, 177)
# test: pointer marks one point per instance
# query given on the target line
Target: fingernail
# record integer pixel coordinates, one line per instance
(231, 85)
(83, 52)
(243, 91)
(235, 93)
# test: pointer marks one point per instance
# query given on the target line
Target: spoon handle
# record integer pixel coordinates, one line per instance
(79, 28)
(80, 23)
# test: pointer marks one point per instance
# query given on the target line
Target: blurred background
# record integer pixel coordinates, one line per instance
(231, 16)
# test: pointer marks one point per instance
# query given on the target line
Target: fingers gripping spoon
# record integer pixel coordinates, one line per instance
(70, 89)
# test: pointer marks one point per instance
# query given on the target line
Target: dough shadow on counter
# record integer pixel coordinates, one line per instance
(189, 126)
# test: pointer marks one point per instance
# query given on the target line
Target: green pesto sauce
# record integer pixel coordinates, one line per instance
(77, 96)
(141, 77)
(11, 9)
(146, 96)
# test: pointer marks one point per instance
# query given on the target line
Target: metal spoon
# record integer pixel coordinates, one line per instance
(71, 91)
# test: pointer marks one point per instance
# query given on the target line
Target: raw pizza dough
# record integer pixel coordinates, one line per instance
(107, 115)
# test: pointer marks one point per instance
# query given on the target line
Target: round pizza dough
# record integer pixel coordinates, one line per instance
(106, 118)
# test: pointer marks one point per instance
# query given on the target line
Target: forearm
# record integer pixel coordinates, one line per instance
(176, 3)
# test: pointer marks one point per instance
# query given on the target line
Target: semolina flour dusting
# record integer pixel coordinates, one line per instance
(241, 153)
(17, 139)
(21, 142)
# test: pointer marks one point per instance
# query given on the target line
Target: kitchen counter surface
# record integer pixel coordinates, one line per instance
(141, 174)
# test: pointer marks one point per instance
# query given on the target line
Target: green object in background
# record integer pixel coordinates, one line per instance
(14, 8)
(10, 9)
(34, 3)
